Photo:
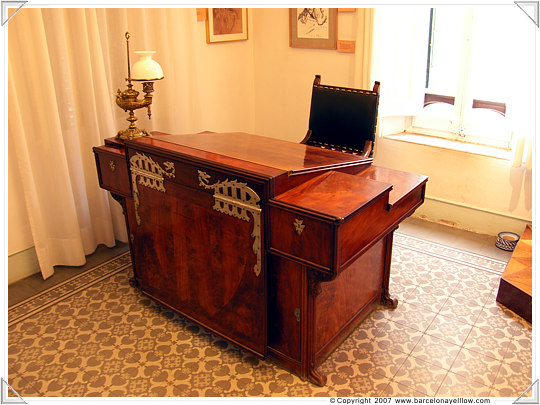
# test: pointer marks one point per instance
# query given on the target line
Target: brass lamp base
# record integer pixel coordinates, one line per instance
(127, 100)
(131, 133)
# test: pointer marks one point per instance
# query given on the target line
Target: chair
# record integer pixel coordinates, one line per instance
(342, 118)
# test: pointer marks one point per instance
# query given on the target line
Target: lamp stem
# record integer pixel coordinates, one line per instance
(129, 65)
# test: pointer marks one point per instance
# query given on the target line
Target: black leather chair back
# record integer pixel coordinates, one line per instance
(342, 118)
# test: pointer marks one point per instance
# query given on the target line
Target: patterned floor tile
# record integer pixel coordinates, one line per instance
(397, 337)
(440, 271)
(420, 376)
(515, 371)
(511, 381)
(370, 361)
(409, 315)
(476, 367)
(430, 299)
(463, 309)
(25, 387)
(395, 389)
(508, 392)
(436, 351)
(359, 384)
(497, 316)
(455, 385)
(400, 290)
(449, 329)
(376, 319)
(488, 342)
(480, 281)
(445, 286)
(520, 347)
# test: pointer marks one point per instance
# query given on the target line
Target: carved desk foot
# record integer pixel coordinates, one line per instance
(317, 377)
(134, 282)
(389, 301)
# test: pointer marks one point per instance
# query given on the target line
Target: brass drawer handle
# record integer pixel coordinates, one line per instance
(112, 165)
(299, 226)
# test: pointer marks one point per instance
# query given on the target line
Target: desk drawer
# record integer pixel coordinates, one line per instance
(297, 234)
(112, 170)
(191, 174)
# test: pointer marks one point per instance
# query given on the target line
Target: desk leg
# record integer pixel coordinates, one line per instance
(386, 299)
(134, 282)
(314, 289)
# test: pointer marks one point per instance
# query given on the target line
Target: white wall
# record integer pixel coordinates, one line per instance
(468, 191)
(465, 190)
(264, 86)
(284, 75)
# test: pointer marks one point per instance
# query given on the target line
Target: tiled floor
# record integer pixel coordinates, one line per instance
(29, 286)
(448, 336)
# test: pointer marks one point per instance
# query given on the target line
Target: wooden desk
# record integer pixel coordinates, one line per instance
(515, 287)
(280, 248)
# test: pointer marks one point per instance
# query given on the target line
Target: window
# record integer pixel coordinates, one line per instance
(478, 62)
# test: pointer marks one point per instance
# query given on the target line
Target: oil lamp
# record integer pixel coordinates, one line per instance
(145, 70)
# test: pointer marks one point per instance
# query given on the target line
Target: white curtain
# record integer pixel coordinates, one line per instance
(64, 68)
(364, 49)
(400, 35)
(521, 110)
(56, 114)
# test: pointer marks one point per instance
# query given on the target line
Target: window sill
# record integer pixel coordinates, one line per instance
(452, 145)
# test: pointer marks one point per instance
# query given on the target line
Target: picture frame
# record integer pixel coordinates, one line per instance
(313, 28)
(226, 24)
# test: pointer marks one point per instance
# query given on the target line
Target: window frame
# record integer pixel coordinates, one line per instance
(455, 128)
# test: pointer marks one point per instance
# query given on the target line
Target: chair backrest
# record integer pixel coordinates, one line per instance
(343, 118)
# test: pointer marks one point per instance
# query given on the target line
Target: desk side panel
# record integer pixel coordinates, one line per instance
(342, 303)
(200, 262)
(286, 291)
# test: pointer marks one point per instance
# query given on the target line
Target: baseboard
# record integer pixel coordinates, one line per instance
(469, 218)
(22, 264)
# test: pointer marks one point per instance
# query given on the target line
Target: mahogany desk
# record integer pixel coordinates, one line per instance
(278, 247)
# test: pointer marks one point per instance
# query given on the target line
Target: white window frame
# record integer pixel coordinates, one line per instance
(399, 61)
(456, 128)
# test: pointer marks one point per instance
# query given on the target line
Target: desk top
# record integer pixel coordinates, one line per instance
(336, 194)
(291, 157)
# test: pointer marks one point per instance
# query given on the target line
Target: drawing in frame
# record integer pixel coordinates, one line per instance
(313, 28)
(226, 24)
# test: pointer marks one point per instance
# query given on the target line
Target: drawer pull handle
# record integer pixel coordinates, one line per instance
(299, 226)
(297, 314)
(112, 165)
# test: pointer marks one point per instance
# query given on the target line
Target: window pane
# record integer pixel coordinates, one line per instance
(443, 70)
(502, 64)
(500, 45)
(445, 50)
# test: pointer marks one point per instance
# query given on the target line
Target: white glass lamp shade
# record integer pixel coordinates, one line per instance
(146, 69)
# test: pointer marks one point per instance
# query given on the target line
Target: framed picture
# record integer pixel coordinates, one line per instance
(226, 24)
(313, 28)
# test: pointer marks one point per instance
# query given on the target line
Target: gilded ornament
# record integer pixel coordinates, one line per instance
(236, 199)
(150, 175)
